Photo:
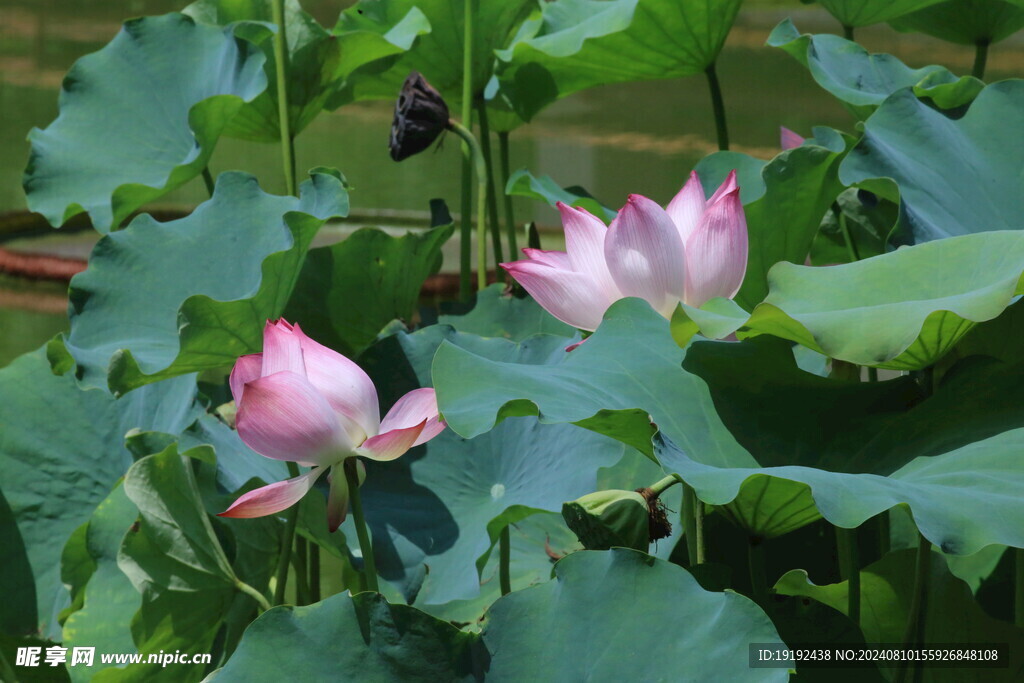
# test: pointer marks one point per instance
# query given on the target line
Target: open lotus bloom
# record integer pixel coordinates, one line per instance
(303, 402)
(691, 251)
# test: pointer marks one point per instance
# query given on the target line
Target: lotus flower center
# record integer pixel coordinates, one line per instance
(497, 491)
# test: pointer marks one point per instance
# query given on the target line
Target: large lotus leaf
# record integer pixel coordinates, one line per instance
(783, 202)
(951, 614)
(437, 511)
(602, 608)
(360, 637)
(955, 176)
(56, 470)
(318, 61)
(110, 600)
(586, 43)
(866, 12)
(175, 560)
(163, 299)
(967, 22)
(902, 310)
(863, 80)
(139, 118)
(438, 54)
(347, 292)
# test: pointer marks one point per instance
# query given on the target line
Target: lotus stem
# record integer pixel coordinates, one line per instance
(208, 180)
(663, 485)
(314, 572)
(510, 218)
(698, 519)
(758, 573)
(849, 569)
(917, 616)
(301, 572)
(847, 32)
(851, 248)
(285, 558)
(883, 534)
(718, 107)
(369, 566)
(492, 197)
(281, 70)
(504, 560)
(872, 374)
(689, 523)
(980, 59)
(252, 592)
(1018, 587)
(6, 672)
(465, 229)
(481, 215)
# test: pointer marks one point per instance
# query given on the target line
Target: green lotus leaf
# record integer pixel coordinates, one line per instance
(438, 54)
(954, 175)
(347, 292)
(442, 506)
(360, 637)
(53, 484)
(967, 22)
(522, 183)
(139, 118)
(586, 43)
(863, 80)
(497, 314)
(783, 200)
(902, 310)
(887, 589)
(163, 299)
(318, 61)
(951, 458)
(529, 632)
(855, 13)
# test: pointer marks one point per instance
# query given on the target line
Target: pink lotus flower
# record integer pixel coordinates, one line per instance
(691, 251)
(788, 139)
(303, 402)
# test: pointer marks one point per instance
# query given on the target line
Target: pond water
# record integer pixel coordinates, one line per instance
(616, 140)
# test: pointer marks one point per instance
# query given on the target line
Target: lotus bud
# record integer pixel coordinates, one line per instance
(421, 115)
(609, 518)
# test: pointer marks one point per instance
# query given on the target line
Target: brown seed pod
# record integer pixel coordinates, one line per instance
(421, 115)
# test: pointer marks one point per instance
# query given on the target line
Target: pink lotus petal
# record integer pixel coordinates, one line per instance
(584, 243)
(274, 498)
(346, 387)
(788, 139)
(281, 350)
(285, 418)
(556, 259)
(727, 186)
(391, 444)
(645, 254)
(716, 255)
(574, 298)
(247, 368)
(687, 207)
(337, 499)
(412, 409)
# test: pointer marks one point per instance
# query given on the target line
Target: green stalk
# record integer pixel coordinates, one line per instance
(465, 231)
(698, 520)
(883, 534)
(314, 572)
(980, 59)
(849, 570)
(369, 567)
(758, 573)
(301, 573)
(847, 32)
(1018, 587)
(281, 71)
(285, 558)
(718, 107)
(510, 218)
(255, 594)
(208, 180)
(6, 672)
(689, 524)
(851, 248)
(913, 634)
(504, 559)
(481, 202)
(492, 197)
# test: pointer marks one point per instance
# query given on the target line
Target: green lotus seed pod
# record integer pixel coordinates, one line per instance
(609, 518)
